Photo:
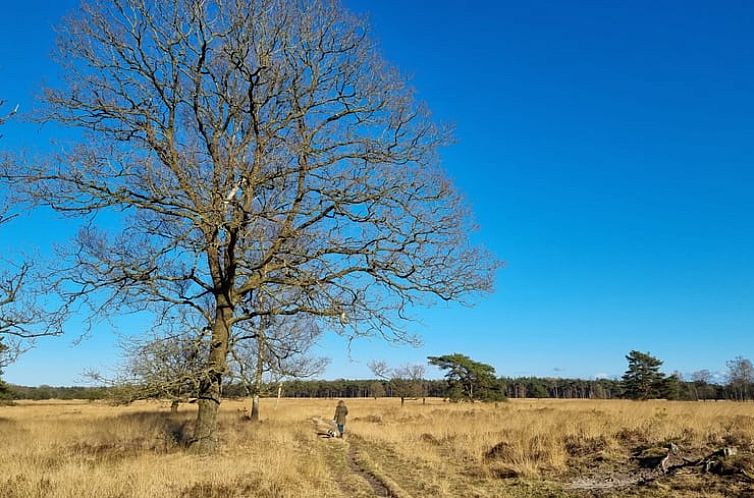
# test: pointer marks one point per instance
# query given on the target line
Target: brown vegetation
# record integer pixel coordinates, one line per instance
(521, 448)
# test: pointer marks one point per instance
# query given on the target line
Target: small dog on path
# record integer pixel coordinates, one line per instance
(325, 428)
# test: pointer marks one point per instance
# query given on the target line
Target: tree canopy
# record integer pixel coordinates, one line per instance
(406, 382)
(467, 379)
(643, 379)
(262, 159)
(24, 314)
(3, 387)
(740, 377)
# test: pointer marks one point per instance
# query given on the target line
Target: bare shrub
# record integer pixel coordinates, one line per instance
(579, 445)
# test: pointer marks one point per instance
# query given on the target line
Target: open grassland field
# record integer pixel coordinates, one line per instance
(546, 448)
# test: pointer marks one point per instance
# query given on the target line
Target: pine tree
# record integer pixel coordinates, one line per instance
(467, 379)
(643, 379)
(672, 387)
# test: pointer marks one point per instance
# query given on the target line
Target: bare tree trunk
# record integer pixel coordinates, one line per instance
(205, 433)
(254, 415)
(261, 345)
(210, 394)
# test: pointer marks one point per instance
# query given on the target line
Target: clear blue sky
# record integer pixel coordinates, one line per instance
(606, 148)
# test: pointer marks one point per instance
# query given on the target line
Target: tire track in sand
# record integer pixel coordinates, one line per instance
(377, 486)
(361, 464)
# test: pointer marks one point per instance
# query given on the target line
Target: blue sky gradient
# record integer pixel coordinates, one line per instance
(606, 149)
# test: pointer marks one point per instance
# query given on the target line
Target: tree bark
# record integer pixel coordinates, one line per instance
(205, 432)
(254, 416)
(210, 394)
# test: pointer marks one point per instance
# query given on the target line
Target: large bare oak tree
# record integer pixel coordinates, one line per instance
(250, 148)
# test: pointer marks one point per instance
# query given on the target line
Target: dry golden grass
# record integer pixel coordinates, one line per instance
(67, 450)
(520, 448)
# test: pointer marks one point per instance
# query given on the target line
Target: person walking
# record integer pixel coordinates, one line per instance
(340, 417)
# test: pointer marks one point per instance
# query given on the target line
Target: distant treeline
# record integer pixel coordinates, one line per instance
(521, 387)
(51, 392)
